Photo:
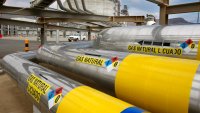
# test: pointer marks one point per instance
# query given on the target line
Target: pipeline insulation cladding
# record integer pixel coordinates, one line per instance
(159, 84)
(84, 99)
(179, 41)
(156, 83)
(57, 94)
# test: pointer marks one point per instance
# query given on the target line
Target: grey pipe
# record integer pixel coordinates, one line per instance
(136, 67)
(66, 58)
(120, 38)
(63, 8)
(78, 8)
(78, 45)
(84, 7)
(40, 84)
(20, 69)
(71, 7)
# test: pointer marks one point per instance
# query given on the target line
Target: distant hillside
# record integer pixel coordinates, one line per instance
(177, 21)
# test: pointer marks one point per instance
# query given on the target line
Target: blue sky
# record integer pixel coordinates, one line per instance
(136, 7)
(142, 7)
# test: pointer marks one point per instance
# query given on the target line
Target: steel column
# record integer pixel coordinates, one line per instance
(43, 35)
(2, 2)
(163, 15)
(1, 29)
(89, 35)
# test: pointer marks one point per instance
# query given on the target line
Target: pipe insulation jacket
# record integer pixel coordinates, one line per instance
(158, 84)
(181, 41)
(53, 93)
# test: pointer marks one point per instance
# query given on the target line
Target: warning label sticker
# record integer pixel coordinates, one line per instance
(54, 97)
(90, 60)
(37, 87)
(155, 50)
(109, 64)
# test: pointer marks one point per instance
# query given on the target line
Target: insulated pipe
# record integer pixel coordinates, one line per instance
(84, 7)
(158, 84)
(63, 8)
(180, 41)
(78, 8)
(57, 56)
(71, 7)
(79, 44)
(51, 92)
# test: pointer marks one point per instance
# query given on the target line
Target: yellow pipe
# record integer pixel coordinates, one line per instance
(84, 99)
(158, 84)
(198, 52)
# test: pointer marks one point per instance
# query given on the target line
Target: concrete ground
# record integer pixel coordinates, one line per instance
(13, 100)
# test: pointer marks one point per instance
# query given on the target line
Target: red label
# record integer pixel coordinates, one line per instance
(189, 41)
(1, 36)
(114, 59)
(59, 90)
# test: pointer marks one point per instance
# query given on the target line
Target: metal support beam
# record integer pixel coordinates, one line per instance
(138, 24)
(43, 37)
(4, 21)
(1, 29)
(109, 19)
(159, 2)
(163, 15)
(93, 27)
(183, 8)
(50, 13)
(163, 10)
(99, 24)
(55, 20)
(66, 28)
(89, 35)
(127, 19)
(2, 2)
(64, 33)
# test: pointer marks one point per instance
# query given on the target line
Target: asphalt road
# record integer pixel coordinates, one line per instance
(12, 46)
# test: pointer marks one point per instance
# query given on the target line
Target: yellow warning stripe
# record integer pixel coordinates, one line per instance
(159, 84)
(91, 60)
(198, 51)
(84, 99)
(37, 87)
(97, 61)
(156, 50)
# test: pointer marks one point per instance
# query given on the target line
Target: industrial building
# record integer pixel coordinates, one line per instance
(105, 7)
(103, 60)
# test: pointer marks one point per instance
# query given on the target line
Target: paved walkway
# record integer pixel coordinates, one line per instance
(13, 100)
